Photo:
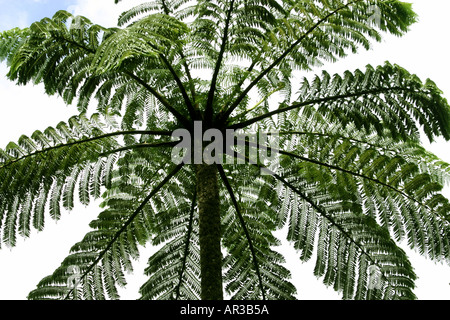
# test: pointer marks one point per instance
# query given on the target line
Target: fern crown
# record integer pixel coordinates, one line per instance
(352, 182)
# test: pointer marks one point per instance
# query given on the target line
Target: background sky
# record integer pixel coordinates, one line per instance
(424, 51)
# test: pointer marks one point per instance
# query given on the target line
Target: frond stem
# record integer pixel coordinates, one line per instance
(165, 7)
(314, 101)
(141, 146)
(244, 227)
(326, 135)
(183, 120)
(183, 57)
(210, 101)
(228, 112)
(187, 101)
(188, 240)
(258, 104)
(241, 82)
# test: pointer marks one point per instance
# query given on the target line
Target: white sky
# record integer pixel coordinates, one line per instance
(424, 51)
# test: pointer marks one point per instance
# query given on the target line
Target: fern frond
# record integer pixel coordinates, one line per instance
(348, 178)
(105, 254)
(369, 244)
(270, 280)
(387, 97)
(325, 34)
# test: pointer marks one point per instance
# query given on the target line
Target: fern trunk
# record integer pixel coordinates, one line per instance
(210, 232)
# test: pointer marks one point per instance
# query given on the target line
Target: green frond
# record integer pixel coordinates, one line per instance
(172, 274)
(259, 211)
(45, 169)
(106, 253)
(127, 16)
(383, 184)
(10, 42)
(386, 97)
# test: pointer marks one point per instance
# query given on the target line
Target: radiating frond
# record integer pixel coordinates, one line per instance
(45, 168)
(349, 245)
(174, 271)
(379, 99)
(106, 253)
(259, 213)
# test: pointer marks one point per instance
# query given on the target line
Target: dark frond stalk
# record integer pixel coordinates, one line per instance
(186, 247)
(247, 234)
(210, 101)
(165, 7)
(142, 146)
(190, 79)
(266, 97)
(314, 101)
(191, 84)
(187, 101)
(177, 79)
(236, 103)
(210, 232)
(183, 120)
(71, 144)
(75, 43)
(183, 57)
(338, 136)
(129, 221)
(241, 82)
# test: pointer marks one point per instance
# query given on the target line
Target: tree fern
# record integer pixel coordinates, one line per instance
(351, 180)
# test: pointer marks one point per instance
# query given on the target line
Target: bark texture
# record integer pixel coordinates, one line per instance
(210, 232)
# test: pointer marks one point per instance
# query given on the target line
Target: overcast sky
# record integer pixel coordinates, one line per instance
(424, 51)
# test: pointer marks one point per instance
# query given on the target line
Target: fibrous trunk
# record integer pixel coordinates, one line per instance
(210, 232)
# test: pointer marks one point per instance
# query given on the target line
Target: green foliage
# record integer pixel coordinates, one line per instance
(352, 182)
(47, 168)
(403, 102)
(258, 204)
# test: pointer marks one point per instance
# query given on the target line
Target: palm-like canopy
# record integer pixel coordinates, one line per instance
(352, 177)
